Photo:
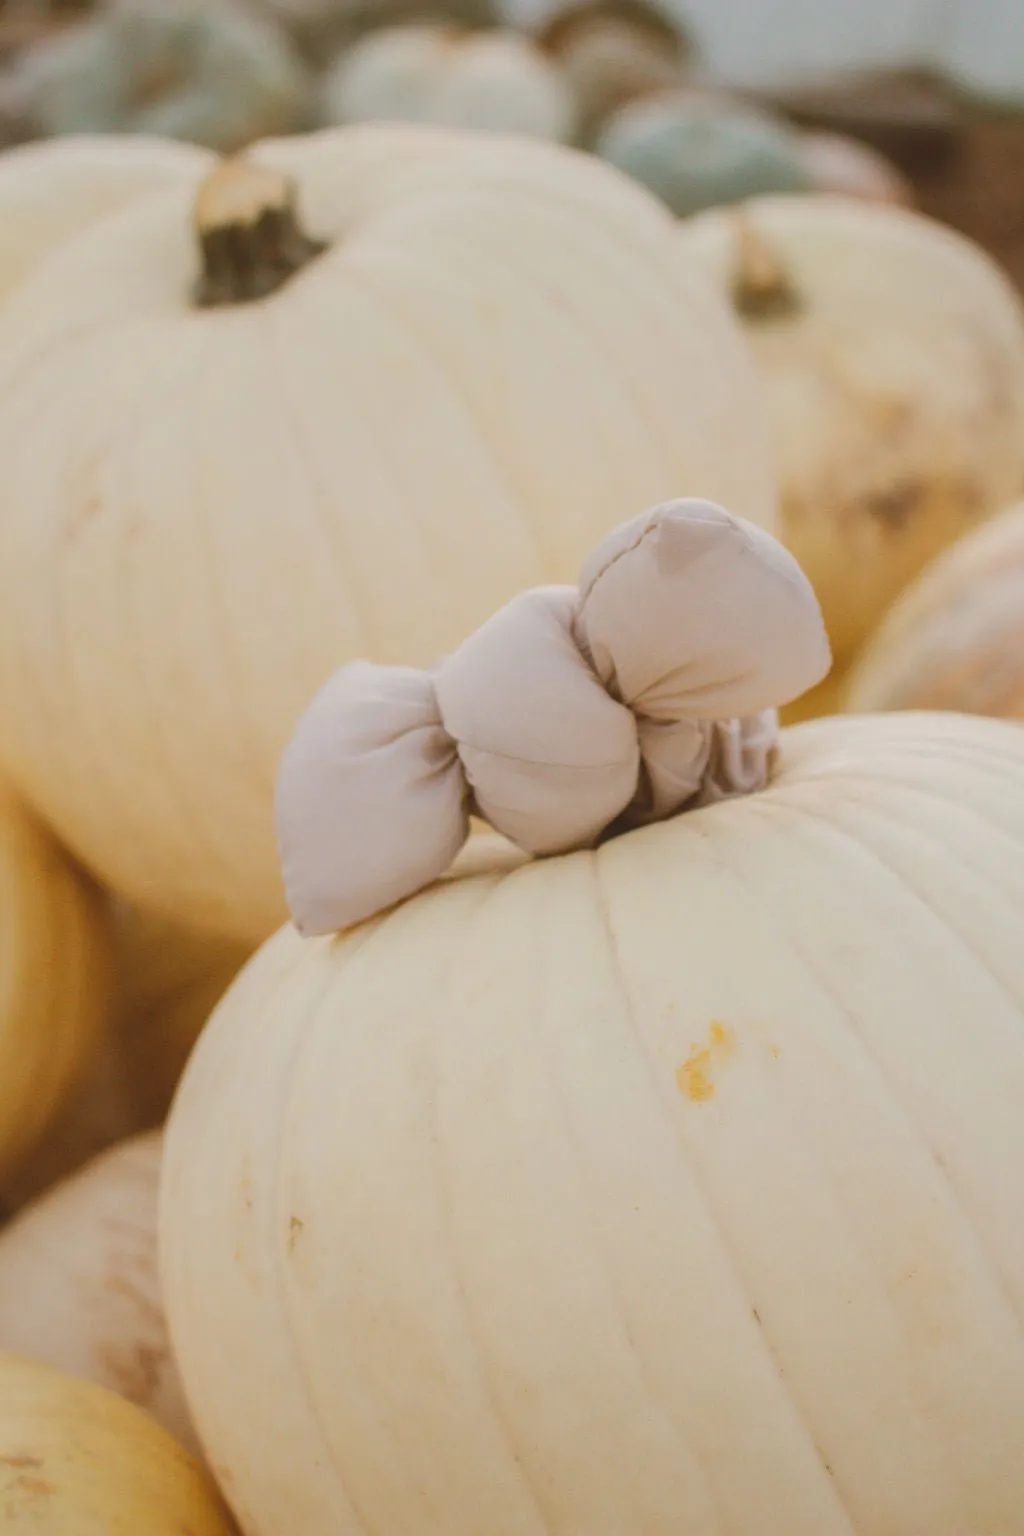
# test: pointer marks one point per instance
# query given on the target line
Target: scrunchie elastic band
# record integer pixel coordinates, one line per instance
(649, 688)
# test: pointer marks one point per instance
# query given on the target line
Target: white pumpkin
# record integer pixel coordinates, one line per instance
(491, 81)
(893, 354)
(673, 1187)
(55, 983)
(52, 190)
(204, 510)
(79, 1288)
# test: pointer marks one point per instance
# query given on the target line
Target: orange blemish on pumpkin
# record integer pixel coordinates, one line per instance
(694, 1076)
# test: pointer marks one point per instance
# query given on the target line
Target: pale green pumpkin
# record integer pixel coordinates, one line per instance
(696, 153)
(210, 74)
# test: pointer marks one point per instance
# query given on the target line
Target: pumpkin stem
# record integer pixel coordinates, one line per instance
(762, 288)
(250, 237)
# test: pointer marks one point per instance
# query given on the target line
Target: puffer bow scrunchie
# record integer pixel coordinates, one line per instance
(649, 688)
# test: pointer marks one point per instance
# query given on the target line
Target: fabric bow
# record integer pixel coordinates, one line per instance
(649, 688)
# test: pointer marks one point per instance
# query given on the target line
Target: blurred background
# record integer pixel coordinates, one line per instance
(706, 101)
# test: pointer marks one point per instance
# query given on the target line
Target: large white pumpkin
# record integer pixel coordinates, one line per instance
(55, 188)
(203, 511)
(672, 1189)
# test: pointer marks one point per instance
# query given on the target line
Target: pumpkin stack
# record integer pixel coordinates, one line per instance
(464, 1067)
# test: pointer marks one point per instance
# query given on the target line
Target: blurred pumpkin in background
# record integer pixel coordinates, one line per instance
(469, 354)
(696, 152)
(892, 350)
(55, 982)
(214, 74)
(613, 51)
(490, 81)
(844, 167)
(79, 1288)
(321, 28)
(955, 638)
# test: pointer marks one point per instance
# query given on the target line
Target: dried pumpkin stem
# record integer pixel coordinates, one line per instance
(761, 288)
(250, 236)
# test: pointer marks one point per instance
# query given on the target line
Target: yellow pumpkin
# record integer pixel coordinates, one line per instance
(76, 1460)
(955, 638)
(491, 81)
(167, 980)
(79, 1288)
(669, 1187)
(52, 190)
(893, 354)
(55, 982)
(358, 440)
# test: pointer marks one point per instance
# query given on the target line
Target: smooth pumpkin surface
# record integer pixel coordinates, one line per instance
(490, 81)
(78, 1283)
(52, 190)
(55, 981)
(497, 354)
(77, 1461)
(669, 1188)
(892, 350)
(955, 638)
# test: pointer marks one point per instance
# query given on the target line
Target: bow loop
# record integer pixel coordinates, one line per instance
(691, 614)
(550, 757)
(371, 803)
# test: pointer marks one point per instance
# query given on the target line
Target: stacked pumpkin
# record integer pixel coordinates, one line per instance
(511, 1205)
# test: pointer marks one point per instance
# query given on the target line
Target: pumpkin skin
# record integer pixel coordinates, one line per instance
(55, 981)
(672, 1187)
(212, 74)
(493, 82)
(695, 156)
(79, 1289)
(892, 350)
(76, 1460)
(846, 168)
(53, 190)
(955, 638)
(509, 318)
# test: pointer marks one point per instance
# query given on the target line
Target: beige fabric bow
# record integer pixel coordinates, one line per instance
(573, 711)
